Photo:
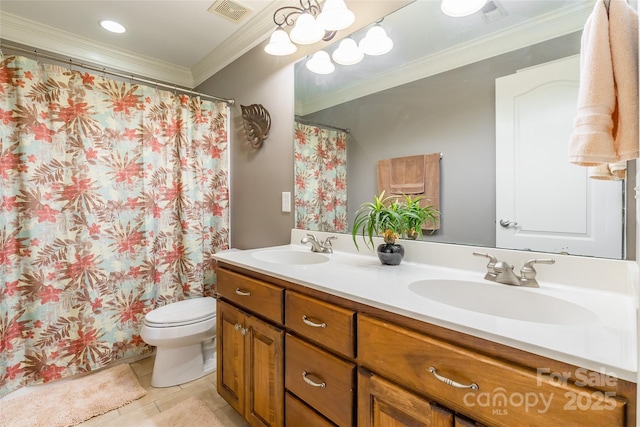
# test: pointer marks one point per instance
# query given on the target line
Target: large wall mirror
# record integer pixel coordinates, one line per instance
(435, 92)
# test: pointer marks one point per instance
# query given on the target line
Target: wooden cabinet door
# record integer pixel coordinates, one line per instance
(382, 403)
(231, 355)
(264, 368)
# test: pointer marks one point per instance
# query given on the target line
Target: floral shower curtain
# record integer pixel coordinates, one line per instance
(113, 197)
(320, 165)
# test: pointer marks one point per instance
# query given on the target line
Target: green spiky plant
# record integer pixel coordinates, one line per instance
(382, 217)
(415, 216)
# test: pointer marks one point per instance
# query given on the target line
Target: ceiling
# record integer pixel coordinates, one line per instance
(181, 42)
(178, 41)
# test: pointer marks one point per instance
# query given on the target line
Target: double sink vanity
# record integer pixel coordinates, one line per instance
(326, 339)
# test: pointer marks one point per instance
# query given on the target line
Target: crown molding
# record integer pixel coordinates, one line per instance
(555, 24)
(30, 33)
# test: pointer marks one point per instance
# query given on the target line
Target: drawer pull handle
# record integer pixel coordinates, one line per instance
(447, 381)
(243, 293)
(312, 383)
(306, 321)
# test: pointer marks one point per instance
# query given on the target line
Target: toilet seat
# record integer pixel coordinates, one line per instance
(182, 313)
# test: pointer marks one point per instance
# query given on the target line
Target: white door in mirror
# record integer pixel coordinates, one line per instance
(547, 203)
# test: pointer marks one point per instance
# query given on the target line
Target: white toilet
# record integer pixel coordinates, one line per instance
(184, 335)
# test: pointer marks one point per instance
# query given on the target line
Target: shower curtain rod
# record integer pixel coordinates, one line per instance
(103, 70)
(311, 123)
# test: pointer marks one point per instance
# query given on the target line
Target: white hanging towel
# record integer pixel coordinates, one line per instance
(606, 125)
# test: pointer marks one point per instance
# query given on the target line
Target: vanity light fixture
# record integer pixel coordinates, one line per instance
(280, 44)
(307, 30)
(376, 42)
(335, 16)
(320, 63)
(312, 24)
(459, 8)
(347, 52)
(112, 26)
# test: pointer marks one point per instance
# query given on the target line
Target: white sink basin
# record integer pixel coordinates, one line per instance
(290, 257)
(504, 301)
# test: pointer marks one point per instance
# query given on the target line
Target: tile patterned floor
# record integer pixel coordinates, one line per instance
(160, 399)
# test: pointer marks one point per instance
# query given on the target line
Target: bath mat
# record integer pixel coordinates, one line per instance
(189, 412)
(73, 401)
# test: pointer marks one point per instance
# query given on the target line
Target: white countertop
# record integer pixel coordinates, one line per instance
(607, 345)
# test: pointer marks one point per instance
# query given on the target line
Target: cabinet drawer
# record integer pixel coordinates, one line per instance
(382, 403)
(507, 395)
(299, 414)
(322, 380)
(257, 296)
(322, 322)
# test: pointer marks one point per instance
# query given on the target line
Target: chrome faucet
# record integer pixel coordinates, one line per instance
(501, 272)
(319, 246)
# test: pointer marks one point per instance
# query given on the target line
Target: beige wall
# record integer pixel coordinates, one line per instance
(259, 176)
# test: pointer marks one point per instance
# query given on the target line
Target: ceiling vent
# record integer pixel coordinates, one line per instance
(493, 11)
(231, 10)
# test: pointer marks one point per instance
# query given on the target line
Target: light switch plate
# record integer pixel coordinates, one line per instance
(286, 201)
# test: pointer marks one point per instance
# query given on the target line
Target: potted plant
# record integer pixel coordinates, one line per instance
(382, 217)
(415, 216)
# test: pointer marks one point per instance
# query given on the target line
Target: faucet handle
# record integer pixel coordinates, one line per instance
(491, 270)
(528, 272)
(327, 241)
(492, 259)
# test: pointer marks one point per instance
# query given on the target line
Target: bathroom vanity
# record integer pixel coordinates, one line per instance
(339, 339)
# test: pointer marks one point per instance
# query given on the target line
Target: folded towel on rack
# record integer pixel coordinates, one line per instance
(592, 139)
(430, 164)
(609, 171)
(407, 175)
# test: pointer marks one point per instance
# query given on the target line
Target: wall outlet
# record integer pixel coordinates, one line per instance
(286, 201)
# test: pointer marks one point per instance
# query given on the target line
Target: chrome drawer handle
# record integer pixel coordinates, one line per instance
(447, 381)
(306, 321)
(243, 293)
(312, 383)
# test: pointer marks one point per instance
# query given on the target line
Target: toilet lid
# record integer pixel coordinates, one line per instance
(182, 312)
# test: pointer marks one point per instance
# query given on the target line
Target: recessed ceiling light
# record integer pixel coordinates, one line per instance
(112, 26)
(459, 8)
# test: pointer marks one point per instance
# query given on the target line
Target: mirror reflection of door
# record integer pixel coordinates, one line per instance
(544, 203)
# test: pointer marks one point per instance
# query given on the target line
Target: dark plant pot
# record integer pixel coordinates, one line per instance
(412, 235)
(390, 254)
